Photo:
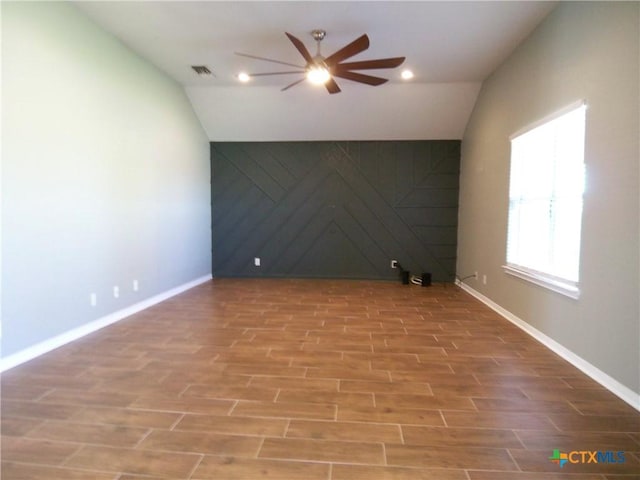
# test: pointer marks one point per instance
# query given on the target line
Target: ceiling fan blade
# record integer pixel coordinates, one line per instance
(332, 86)
(300, 47)
(293, 84)
(359, 77)
(268, 60)
(360, 44)
(372, 64)
(273, 73)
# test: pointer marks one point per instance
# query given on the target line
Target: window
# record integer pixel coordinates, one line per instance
(545, 202)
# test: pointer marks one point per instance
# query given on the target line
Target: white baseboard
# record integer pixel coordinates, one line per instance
(608, 382)
(45, 346)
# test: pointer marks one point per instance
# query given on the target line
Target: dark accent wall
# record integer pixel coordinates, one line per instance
(335, 209)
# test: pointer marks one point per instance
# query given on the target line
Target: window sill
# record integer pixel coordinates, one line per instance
(565, 288)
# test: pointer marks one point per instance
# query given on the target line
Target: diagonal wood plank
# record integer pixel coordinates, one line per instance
(282, 201)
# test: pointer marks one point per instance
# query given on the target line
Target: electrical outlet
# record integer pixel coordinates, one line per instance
(394, 263)
(484, 279)
(93, 299)
(136, 285)
(116, 291)
(256, 261)
(475, 275)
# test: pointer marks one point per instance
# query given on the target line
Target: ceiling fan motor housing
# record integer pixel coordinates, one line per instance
(318, 34)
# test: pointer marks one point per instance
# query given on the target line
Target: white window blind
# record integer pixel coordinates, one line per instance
(545, 202)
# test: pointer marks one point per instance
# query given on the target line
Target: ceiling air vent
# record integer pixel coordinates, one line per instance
(202, 70)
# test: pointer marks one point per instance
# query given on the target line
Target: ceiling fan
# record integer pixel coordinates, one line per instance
(322, 70)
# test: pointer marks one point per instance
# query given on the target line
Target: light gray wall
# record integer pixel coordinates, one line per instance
(105, 176)
(584, 51)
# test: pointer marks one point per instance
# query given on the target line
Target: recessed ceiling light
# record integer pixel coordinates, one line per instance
(244, 77)
(407, 74)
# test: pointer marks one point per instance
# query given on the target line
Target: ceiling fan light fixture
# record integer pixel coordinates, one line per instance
(244, 77)
(407, 74)
(318, 75)
(323, 71)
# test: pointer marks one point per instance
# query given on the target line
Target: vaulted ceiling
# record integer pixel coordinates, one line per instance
(450, 46)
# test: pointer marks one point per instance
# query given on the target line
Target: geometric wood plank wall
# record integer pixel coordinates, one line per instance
(335, 209)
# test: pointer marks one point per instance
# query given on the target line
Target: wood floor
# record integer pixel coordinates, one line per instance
(314, 380)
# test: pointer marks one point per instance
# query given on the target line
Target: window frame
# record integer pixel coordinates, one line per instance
(566, 287)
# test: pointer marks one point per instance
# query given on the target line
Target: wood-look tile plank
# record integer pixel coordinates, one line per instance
(428, 354)
(125, 416)
(439, 374)
(400, 362)
(459, 437)
(17, 426)
(478, 391)
(581, 381)
(145, 462)
(315, 356)
(476, 348)
(13, 408)
(251, 358)
(523, 405)
(49, 381)
(307, 384)
(231, 392)
(347, 431)
(212, 406)
(41, 367)
(233, 468)
(36, 451)
(128, 476)
(318, 411)
(22, 471)
(318, 396)
(345, 372)
(425, 372)
(269, 427)
(360, 472)
(428, 402)
(521, 421)
(188, 372)
(569, 393)
(81, 397)
(391, 340)
(385, 387)
(322, 450)
(113, 435)
(271, 370)
(596, 423)
(339, 345)
(520, 381)
(22, 391)
(408, 416)
(146, 376)
(201, 442)
(448, 457)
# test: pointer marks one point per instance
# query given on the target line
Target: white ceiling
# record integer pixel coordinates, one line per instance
(450, 46)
